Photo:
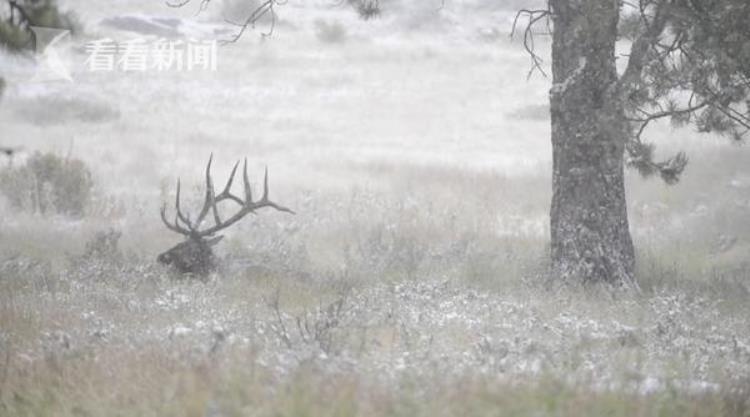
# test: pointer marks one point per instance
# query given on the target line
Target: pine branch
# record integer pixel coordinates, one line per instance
(643, 44)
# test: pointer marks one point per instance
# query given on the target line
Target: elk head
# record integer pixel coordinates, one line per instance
(195, 255)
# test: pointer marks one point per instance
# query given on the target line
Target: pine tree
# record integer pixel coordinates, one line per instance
(689, 62)
(18, 16)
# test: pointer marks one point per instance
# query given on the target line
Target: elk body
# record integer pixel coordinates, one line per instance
(195, 255)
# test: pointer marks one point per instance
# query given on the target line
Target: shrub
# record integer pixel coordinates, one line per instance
(101, 257)
(14, 37)
(104, 245)
(366, 9)
(332, 32)
(19, 272)
(48, 183)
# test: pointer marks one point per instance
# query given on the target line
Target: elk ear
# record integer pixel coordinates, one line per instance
(214, 241)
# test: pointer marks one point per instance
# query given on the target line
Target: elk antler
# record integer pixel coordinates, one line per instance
(182, 223)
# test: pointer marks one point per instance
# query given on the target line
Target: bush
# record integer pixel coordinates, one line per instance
(48, 183)
(332, 32)
(14, 37)
(15, 33)
(101, 257)
(104, 245)
(366, 9)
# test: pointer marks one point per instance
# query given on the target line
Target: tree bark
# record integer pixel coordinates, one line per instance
(590, 237)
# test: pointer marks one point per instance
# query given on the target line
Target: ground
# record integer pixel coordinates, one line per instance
(411, 281)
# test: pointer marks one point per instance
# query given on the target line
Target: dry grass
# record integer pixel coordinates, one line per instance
(411, 281)
(148, 383)
(462, 334)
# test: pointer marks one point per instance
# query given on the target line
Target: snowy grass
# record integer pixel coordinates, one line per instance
(102, 337)
(411, 281)
(400, 302)
(410, 297)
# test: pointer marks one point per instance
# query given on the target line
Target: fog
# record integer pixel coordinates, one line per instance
(415, 151)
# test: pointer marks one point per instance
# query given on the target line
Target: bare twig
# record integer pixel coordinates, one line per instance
(23, 17)
(279, 326)
(266, 8)
(534, 16)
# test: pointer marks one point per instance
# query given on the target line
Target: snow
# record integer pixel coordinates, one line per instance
(560, 88)
(403, 109)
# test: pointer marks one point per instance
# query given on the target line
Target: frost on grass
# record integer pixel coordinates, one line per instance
(383, 290)
(383, 331)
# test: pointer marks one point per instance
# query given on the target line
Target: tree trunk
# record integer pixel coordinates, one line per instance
(590, 237)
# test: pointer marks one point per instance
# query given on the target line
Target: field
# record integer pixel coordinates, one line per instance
(412, 280)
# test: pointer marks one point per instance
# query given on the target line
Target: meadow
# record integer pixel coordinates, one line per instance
(412, 279)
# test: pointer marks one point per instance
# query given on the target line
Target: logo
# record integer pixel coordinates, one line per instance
(49, 55)
(54, 58)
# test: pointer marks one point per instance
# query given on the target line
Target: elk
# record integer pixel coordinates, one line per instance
(195, 256)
